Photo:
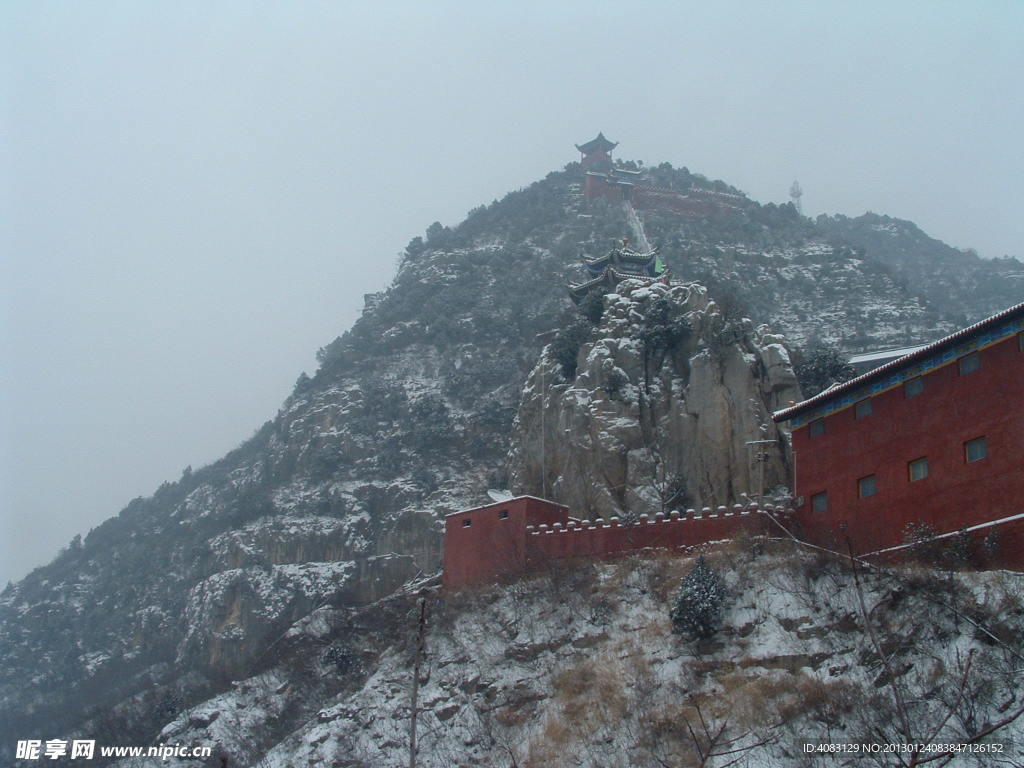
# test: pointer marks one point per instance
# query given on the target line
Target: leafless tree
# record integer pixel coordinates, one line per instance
(712, 738)
(910, 726)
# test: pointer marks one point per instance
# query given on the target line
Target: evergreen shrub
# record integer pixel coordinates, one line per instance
(698, 608)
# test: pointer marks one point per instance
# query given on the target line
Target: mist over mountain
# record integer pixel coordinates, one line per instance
(236, 570)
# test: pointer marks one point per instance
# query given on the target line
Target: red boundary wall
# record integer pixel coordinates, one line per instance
(484, 543)
(525, 533)
(695, 203)
(1009, 553)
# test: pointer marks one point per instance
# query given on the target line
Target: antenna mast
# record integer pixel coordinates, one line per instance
(796, 193)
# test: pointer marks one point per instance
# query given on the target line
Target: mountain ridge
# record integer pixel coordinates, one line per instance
(408, 416)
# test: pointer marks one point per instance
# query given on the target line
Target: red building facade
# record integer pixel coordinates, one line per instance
(526, 533)
(934, 439)
(483, 543)
(602, 180)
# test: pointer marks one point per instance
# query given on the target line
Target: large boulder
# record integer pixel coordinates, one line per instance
(660, 412)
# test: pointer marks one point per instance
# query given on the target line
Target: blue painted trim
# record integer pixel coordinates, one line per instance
(984, 339)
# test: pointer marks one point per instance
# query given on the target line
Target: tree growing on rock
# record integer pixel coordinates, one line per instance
(698, 608)
(592, 307)
(820, 367)
(661, 333)
(566, 346)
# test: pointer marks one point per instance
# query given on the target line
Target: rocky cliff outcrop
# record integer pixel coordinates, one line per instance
(660, 411)
(337, 498)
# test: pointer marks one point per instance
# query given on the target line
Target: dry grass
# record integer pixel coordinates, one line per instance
(756, 701)
(664, 570)
(589, 697)
(546, 748)
(592, 692)
(1006, 593)
(664, 734)
(512, 717)
(574, 682)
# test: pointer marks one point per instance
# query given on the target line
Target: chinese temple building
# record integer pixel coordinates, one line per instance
(933, 439)
(602, 179)
(597, 152)
(606, 272)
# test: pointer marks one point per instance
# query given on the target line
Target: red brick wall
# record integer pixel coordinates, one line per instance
(695, 205)
(595, 186)
(492, 546)
(536, 532)
(1010, 552)
(952, 409)
(671, 532)
(653, 198)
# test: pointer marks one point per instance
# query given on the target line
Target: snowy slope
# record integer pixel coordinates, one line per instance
(580, 667)
(335, 501)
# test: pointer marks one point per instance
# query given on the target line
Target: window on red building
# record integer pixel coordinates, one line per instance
(969, 364)
(866, 487)
(975, 450)
(817, 427)
(466, 523)
(862, 408)
(503, 514)
(917, 469)
(819, 502)
(913, 387)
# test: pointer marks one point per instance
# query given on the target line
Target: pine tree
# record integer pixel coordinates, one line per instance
(592, 307)
(821, 367)
(566, 346)
(702, 596)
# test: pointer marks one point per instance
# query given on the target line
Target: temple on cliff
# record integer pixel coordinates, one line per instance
(596, 152)
(620, 263)
(603, 179)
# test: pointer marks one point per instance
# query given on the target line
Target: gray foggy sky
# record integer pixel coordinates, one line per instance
(196, 195)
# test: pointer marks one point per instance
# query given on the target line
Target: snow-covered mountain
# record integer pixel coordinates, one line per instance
(334, 503)
(580, 667)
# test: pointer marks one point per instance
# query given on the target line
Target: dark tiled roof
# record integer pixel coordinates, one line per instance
(610, 277)
(622, 255)
(599, 144)
(901, 362)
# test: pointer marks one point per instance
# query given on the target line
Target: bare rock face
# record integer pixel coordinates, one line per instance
(236, 614)
(659, 413)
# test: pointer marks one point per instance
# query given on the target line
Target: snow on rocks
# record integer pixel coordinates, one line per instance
(666, 395)
(581, 667)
